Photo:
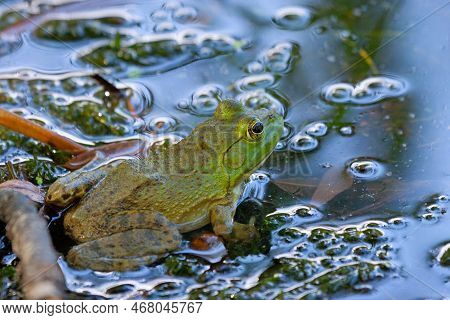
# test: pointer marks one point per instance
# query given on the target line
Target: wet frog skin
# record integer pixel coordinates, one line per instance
(132, 213)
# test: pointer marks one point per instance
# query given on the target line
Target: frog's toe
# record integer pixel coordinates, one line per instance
(125, 250)
(242, 232)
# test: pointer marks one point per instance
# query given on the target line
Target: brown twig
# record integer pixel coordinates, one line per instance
(30, 129)
(82, 154)
(41, 277)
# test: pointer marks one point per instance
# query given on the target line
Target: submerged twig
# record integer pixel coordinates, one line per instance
(112, 89)
(41, 277)
(16, 123)
(82, 154)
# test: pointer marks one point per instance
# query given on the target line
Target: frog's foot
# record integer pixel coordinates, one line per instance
(242, 232)
(73, 186)
(125, 250)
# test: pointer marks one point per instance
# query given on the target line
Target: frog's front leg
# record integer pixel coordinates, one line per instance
(222, 217)
(73, 186)
(128, 249)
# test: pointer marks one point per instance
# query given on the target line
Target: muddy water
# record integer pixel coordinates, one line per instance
(352, 204)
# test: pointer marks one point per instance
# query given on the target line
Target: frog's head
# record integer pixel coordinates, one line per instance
(245, 137)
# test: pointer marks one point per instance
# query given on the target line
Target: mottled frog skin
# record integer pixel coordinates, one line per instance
(132, 213)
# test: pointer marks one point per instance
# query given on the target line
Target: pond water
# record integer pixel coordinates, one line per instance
(353, 204)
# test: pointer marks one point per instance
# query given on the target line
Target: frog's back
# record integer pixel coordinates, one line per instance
(183, 195)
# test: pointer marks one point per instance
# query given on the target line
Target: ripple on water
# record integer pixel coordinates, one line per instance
(292, 18)
(365, 169)
(368, 91)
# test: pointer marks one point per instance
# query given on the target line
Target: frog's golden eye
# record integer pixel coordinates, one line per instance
(255, 129)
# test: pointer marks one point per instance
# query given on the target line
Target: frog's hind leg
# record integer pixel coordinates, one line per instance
(73, 186)
(126, 250)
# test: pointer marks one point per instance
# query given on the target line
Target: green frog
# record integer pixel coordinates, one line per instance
(131, 213)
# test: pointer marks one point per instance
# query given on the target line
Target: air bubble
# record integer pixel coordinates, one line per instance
(172, 5)
(365, 169)
(256, 81)
(280, 57)
(281, 145)
(162, 124)
(261, 99)
(347, 130)
(368, 91)
(185, 14)
(303, 143)
(306, 211)
(254, 67)
(292, 18)
(164, 26)
(140, 97)
(204, 101)
(338, 93)
(159, 15)
(444, 255)
(316, 129)
(434, 208)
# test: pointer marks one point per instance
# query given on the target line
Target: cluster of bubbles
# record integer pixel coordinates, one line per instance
(260, 98)
(434, 209)
(255, 89)
(81, 105)
(314, 259)
(156, 53)
(365, 169)
(368, 91)
(293, 18)
(306, 139)
(170, 13)
(278, 59)
(299, 214)
(80, 29)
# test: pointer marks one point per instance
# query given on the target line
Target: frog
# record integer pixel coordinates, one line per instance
(131, 213)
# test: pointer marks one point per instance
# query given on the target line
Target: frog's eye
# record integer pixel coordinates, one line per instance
(255, 129)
